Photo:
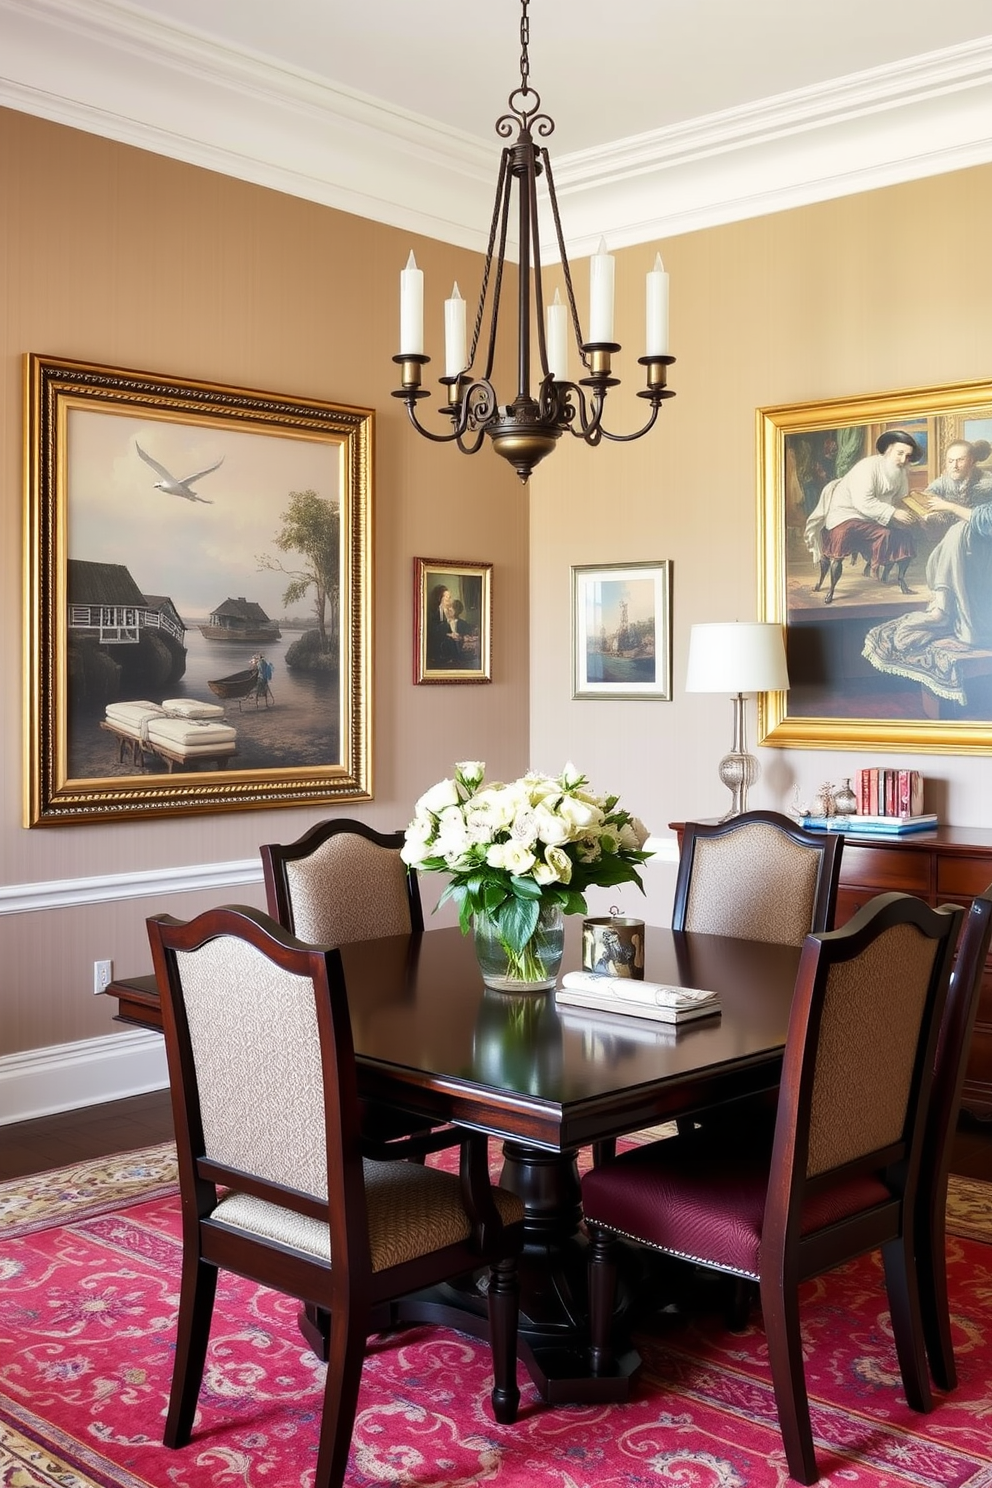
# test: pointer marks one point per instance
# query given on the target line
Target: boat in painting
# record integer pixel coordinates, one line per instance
(237, 685)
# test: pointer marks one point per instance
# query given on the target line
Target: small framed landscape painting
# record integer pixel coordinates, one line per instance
(622, 631)
(198, 597)
(452, 621)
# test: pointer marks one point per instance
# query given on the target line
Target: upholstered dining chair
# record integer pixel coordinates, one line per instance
(953, 1044)
(344, 881)
(758, 876)
(272, 1179)
(837, 1174)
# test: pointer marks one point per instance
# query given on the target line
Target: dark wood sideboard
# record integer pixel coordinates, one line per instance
(948, 865)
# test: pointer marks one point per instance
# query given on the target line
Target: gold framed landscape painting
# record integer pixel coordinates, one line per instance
(199, 596)
(875, 552)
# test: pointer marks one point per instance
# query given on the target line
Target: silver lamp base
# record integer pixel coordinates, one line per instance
(738, 769)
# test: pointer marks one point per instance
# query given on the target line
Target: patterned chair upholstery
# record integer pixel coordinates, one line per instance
(758, 877)
(953, 1046)
(835, 1177)
(343, 881)
(273, 1182)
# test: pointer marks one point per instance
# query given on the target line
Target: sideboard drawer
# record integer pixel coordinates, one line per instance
(882, 868)
(964, 876)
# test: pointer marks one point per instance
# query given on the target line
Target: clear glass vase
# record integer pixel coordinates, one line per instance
(534, 968)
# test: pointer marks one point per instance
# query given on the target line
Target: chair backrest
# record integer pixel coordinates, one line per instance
(953, 1045)
(859, 1055)
(261, 1068)
(758, 876)
(342, 881)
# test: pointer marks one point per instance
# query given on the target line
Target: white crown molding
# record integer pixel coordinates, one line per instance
(100, 66)
(68, 893)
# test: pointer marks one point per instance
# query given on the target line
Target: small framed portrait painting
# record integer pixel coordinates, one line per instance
(452, 621)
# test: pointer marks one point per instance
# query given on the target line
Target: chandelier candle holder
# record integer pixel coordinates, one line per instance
(528, 428)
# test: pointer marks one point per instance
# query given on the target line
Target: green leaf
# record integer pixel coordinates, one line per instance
(525, 888)
(517, 921)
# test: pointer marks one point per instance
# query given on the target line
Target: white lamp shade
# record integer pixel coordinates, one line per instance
(737, 656)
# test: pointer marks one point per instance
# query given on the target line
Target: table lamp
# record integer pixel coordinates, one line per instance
(737, 657)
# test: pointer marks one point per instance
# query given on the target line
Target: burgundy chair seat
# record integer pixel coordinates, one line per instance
(685, 1197)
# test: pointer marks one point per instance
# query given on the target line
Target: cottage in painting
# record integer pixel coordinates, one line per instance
(240, 620)
(118, 639)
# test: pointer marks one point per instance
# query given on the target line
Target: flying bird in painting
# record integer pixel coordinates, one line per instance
(173, 487)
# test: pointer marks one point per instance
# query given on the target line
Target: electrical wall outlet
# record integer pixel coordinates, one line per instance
(103, 975)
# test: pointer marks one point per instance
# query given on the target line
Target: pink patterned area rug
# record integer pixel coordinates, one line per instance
(87, 1317)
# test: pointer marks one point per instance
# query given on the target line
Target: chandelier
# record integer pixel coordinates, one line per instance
(527, 429)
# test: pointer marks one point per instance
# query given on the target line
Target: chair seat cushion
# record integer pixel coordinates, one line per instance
(702, 1197)
(413, 1210)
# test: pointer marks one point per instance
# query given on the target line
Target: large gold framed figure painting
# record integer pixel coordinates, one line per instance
(199, 596)
(875, 552)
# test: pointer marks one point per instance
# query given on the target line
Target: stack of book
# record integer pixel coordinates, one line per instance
(888, 792)
(657, 1000)
(871, 826)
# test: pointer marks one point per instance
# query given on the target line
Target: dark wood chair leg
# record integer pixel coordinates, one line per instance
(907, 1322)
(603, 1151)
(739, 1308)
(346, 1354)
(602, 1294)
(504, 1305)
(780, 1309)
(196, 1305)
(931, 1260)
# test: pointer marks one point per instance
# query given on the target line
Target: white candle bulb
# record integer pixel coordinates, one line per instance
(601, 294)
(656, 315)
(558, 339)
(454, 334)
(411, 309)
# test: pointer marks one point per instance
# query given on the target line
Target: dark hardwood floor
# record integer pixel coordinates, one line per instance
(118, 1126)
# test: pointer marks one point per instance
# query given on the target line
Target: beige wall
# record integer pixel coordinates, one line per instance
(119, 257)
(886, 290)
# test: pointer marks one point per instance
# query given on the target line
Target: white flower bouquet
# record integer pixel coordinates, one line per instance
(513, 850)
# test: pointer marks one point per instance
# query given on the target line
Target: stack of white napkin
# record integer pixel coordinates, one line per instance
(656, 1000)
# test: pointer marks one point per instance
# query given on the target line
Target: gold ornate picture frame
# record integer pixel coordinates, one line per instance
(199, 597)
(452, 621)
(879, 564)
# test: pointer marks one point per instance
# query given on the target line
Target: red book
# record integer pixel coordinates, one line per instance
(873, 808)
(905, 799)
(891, 805)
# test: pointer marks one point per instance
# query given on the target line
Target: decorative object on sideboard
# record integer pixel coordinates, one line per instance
(527, 429)
(737, 657)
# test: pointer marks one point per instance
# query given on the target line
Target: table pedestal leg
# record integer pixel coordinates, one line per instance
(554, 1333)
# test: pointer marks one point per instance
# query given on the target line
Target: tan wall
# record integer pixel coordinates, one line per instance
(119, 257)
(881, 291)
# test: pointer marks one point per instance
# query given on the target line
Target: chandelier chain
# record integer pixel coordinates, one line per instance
(524, 44)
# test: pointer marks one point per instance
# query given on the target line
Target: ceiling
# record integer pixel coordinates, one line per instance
(670, 114)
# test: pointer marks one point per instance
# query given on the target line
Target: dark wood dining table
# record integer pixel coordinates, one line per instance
(548, 1080)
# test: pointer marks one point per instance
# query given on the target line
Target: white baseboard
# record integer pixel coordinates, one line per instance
(64, 1077)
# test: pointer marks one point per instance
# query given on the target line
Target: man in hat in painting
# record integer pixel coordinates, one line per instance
(861, 515)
